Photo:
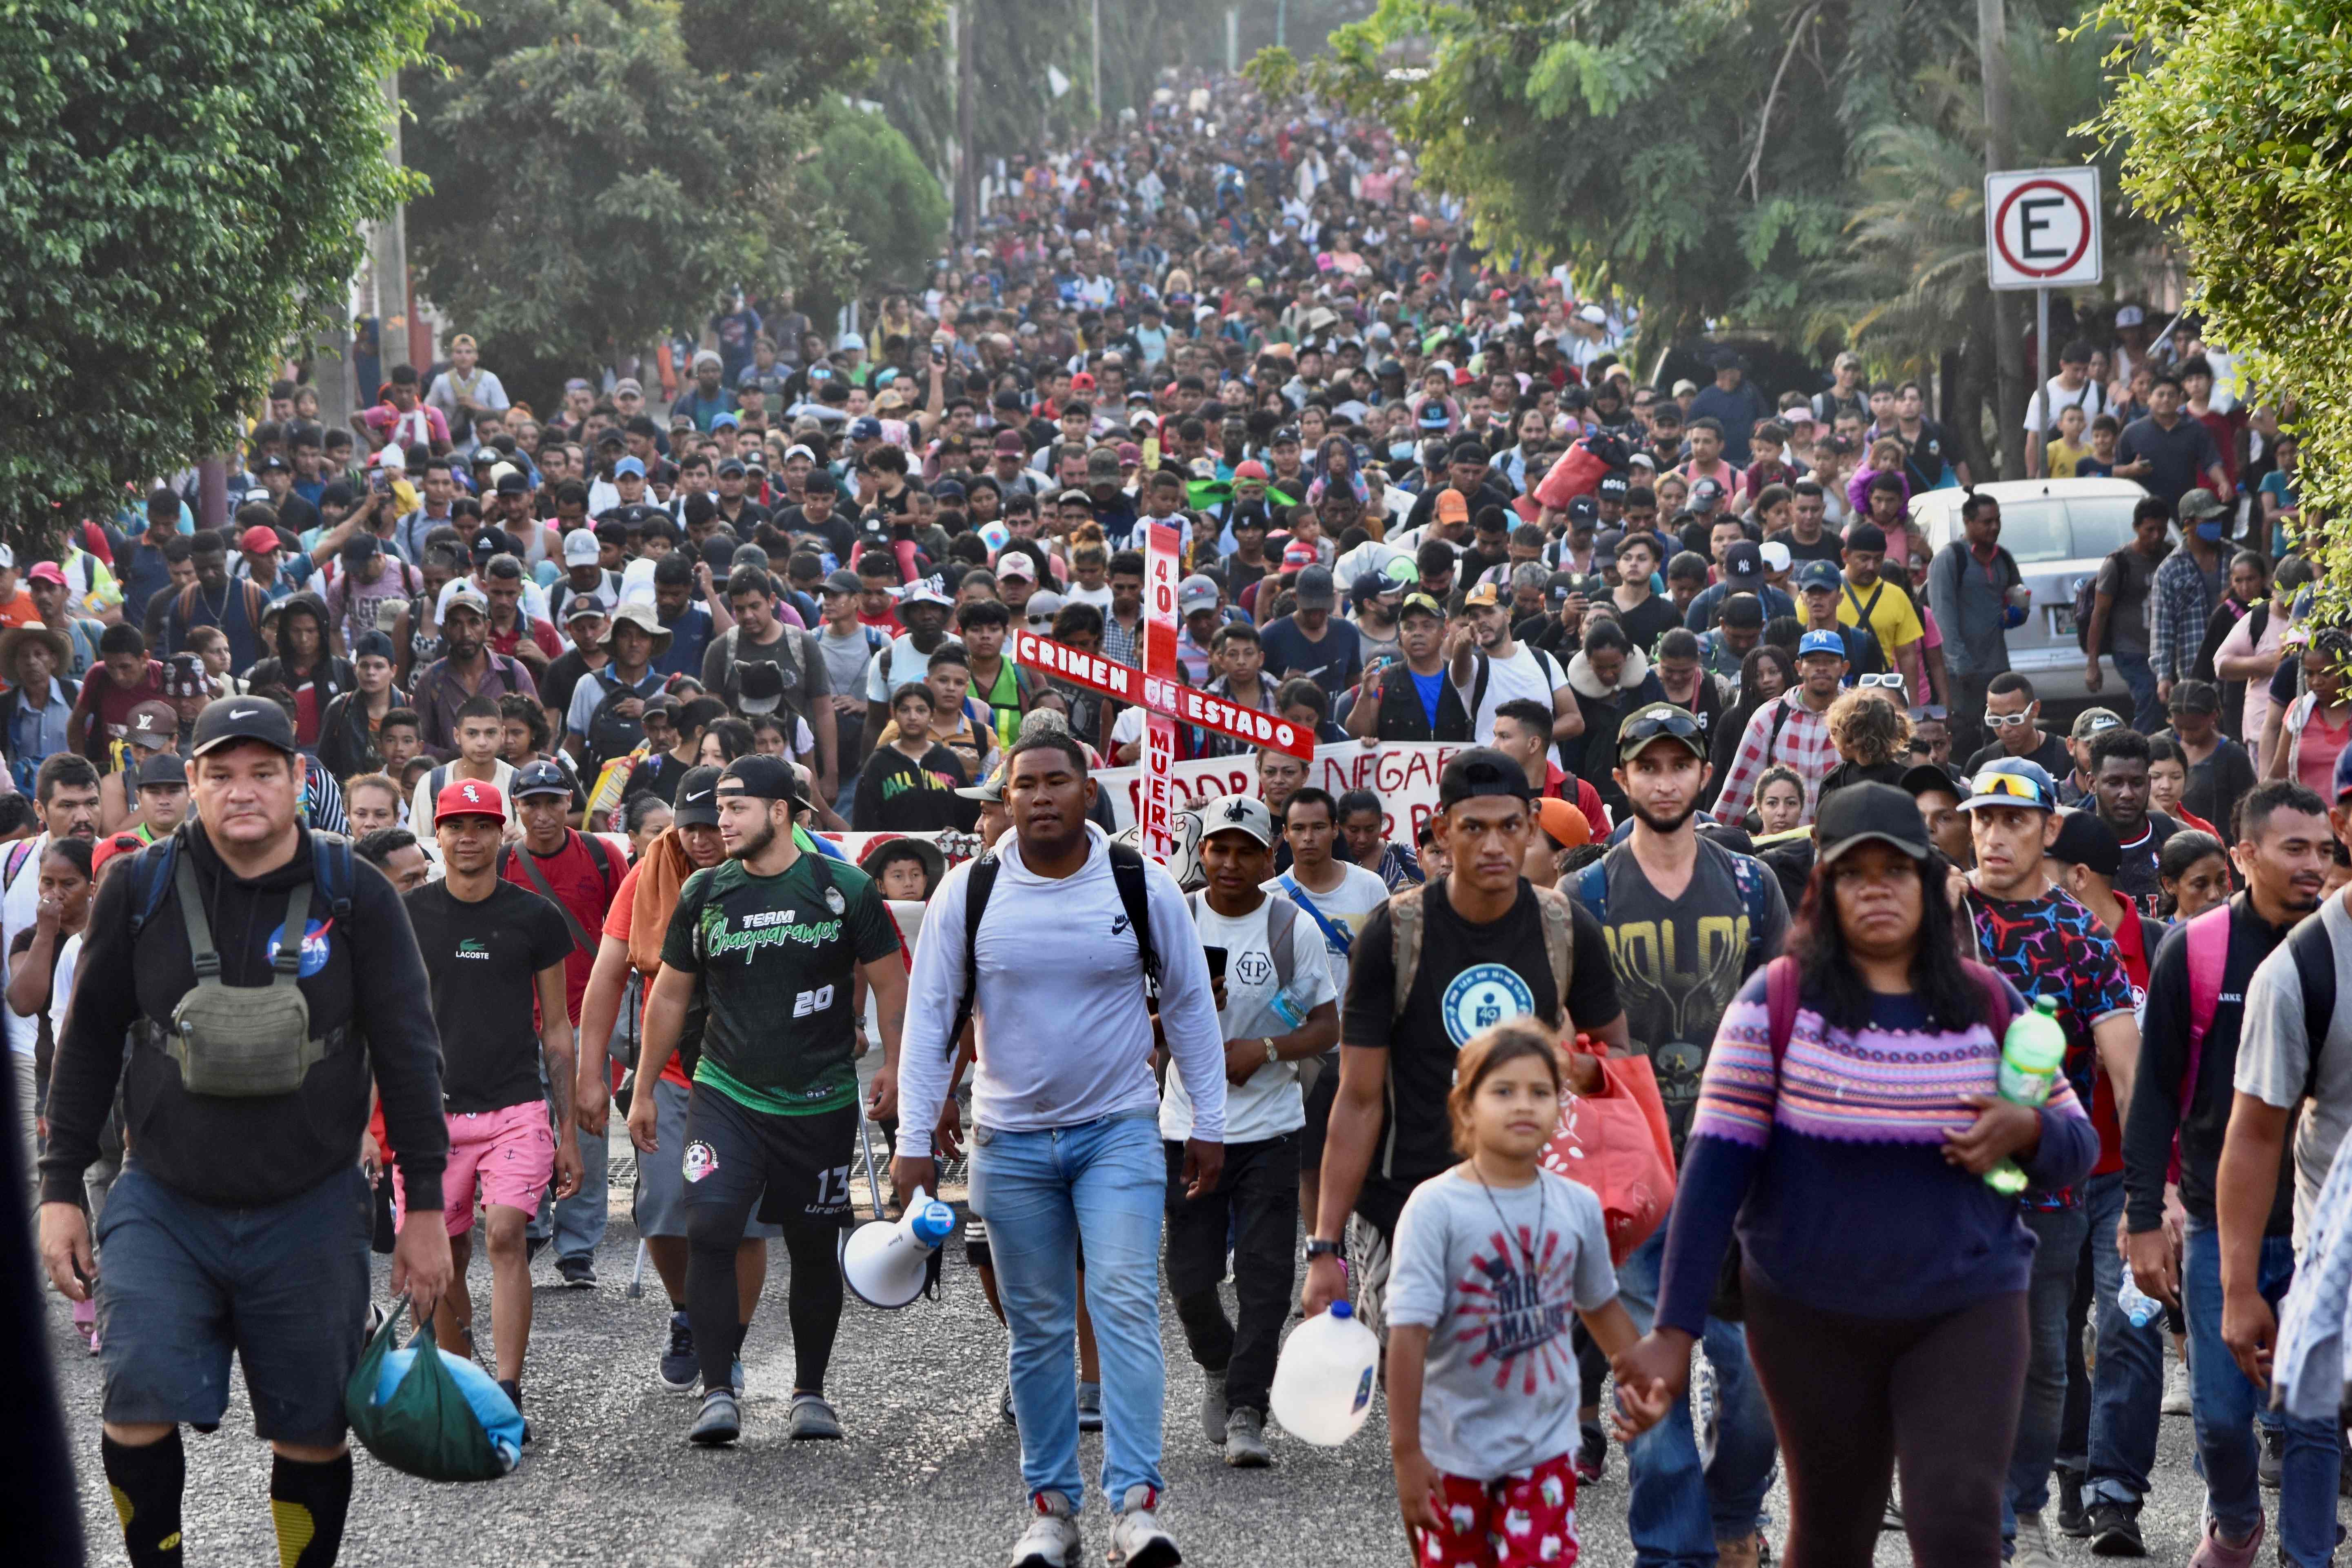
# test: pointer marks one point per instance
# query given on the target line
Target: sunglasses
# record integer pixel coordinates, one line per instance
(1891, 682)
(2007, 721)
(2016, 786)
(1648, 726)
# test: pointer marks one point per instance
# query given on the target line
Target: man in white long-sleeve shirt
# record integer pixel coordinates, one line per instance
(1066, 1144)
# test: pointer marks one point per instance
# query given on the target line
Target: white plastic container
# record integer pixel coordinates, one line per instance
(1323, 1384)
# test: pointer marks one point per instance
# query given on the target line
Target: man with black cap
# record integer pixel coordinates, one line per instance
(2045, 944)
(1309, 642)
(1481, 944)
(233, 1228)
(1665, 891)
(768, 944)
(1742, 571)
(579, 875)
(1938, 797)
(163, 796)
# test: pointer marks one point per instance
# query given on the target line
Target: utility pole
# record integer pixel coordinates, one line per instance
(2008, 353)
(967, 111)
(1281, 24)
(1232, 40)
(395, 326)
(1096, 87)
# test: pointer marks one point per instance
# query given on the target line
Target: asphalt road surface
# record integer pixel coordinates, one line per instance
(927, 1478)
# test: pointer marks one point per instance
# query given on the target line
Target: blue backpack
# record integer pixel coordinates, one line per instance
(152, 870)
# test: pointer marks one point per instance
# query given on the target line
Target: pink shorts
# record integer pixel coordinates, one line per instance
(510, 1152)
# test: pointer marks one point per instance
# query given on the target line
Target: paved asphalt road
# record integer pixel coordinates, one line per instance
(929, 1477)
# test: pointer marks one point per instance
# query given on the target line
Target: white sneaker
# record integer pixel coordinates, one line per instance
(1052, 1538)
(2177, 1398)
(2032, 1544)
(1136, 1540)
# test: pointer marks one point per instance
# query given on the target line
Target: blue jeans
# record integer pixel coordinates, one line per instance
(2148, 715)
(2227, 1450)
(2058, 1248)
(2128, 1385)
(1680, 1508)
(577, 1223)
(1103, 1182)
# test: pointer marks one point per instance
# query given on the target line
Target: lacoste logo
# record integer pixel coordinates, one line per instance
(473, 947)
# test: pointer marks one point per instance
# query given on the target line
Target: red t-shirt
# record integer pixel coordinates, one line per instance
(571, 876)
(106, 707)
(2131, 948)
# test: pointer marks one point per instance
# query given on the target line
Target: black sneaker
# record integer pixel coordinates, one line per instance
(1592, 1453)
(719, 1422)
(512, 1389)
(2272, 1462)
(530, 1249)
(2073, 1519)
(579, 1273)
(2114, 1531)
(681, 1369)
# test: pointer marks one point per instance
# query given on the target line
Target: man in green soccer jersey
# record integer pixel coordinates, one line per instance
(766, 943)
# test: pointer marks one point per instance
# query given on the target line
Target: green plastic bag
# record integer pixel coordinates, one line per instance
(427, 1426)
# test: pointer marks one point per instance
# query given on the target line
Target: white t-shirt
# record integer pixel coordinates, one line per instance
(906, 662)
(19, 907)
(1528, 673)
(1346, 906)
(420, 808)
(1269, 1104)
(1098, 598)
(2041, 413)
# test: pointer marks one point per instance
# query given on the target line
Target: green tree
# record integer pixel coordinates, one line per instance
(601, 175)
(888, 201)
(182, 188)
(2236, 117)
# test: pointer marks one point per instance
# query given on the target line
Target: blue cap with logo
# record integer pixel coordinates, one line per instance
(1824, 641)
(1817, 575)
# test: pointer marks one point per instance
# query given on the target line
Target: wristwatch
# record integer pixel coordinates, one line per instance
(1271, 1056)
(1319, 1248)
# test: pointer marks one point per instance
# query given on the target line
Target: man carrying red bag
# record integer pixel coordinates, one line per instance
(1687, 921)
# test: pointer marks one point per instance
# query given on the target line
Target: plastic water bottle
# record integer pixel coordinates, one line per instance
(1323, 1384)
(1287, 1008)
(2138, 1306)
(2031, 1055)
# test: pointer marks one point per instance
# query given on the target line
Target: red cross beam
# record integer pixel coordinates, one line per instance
(1160, 695)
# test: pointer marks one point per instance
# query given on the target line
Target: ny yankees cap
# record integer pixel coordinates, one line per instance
(697, 799)
(233, 718)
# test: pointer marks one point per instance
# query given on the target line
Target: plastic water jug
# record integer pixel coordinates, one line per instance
(1323, 1384)
(2031, 1055)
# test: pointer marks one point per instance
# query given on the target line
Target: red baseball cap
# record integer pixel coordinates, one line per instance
(469, 797)
(254, 540)
(47, 572)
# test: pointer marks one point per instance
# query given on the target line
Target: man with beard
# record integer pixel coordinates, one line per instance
(467, 670)
(1687, 921)
(765, 946)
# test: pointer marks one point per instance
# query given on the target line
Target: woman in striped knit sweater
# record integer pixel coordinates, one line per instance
(1844, 1133)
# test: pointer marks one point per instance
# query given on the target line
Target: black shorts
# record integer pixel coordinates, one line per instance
(796, 1168)
(186, 1286)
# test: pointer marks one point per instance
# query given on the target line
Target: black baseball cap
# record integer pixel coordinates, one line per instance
(1925, 778)
(1869, 813)
(697, 799)
(762, 777)
(759, 686)
(542, 777)
(231, 719)
(1480, 771)
(164, 768)
(2086, 839)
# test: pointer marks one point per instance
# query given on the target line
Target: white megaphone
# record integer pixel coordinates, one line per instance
(884, 1262)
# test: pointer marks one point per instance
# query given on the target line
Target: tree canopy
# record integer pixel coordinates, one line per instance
(181, 190)
(2236, 117)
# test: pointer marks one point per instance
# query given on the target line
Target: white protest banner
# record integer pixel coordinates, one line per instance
(1404, 773)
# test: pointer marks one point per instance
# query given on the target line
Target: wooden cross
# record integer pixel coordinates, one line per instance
(1156, 689)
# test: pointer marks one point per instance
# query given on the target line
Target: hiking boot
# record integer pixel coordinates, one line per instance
(2073, 1519)
(1212, 1408)
(1245, 1446)
(2213, 1551)
(512, 1388)
(2032, 1544)
(1136, 1539)
(719, 1421)
(1090, 1407)
(1052, 1538)
(577, 1273)
(812, 1420)
(1592, 1453)
(2114, 1531)
(681, 1370)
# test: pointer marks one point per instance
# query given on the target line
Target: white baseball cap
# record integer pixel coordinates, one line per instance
(580, 548)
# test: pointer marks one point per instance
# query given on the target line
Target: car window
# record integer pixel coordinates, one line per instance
(2101, 525)
(2036, 531)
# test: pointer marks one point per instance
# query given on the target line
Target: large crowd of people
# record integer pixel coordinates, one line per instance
(668, 738)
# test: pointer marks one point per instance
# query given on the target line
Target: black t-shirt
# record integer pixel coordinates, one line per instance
(565, 671)
(1648, 621)
(2051, 754)
(483, 960)
(2136, 879)
(1470, 977)
(838, 535)
(1829, 547)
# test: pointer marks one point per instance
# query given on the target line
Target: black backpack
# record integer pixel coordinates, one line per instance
(2087, 599)
(1134, 895)
(610, 733)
